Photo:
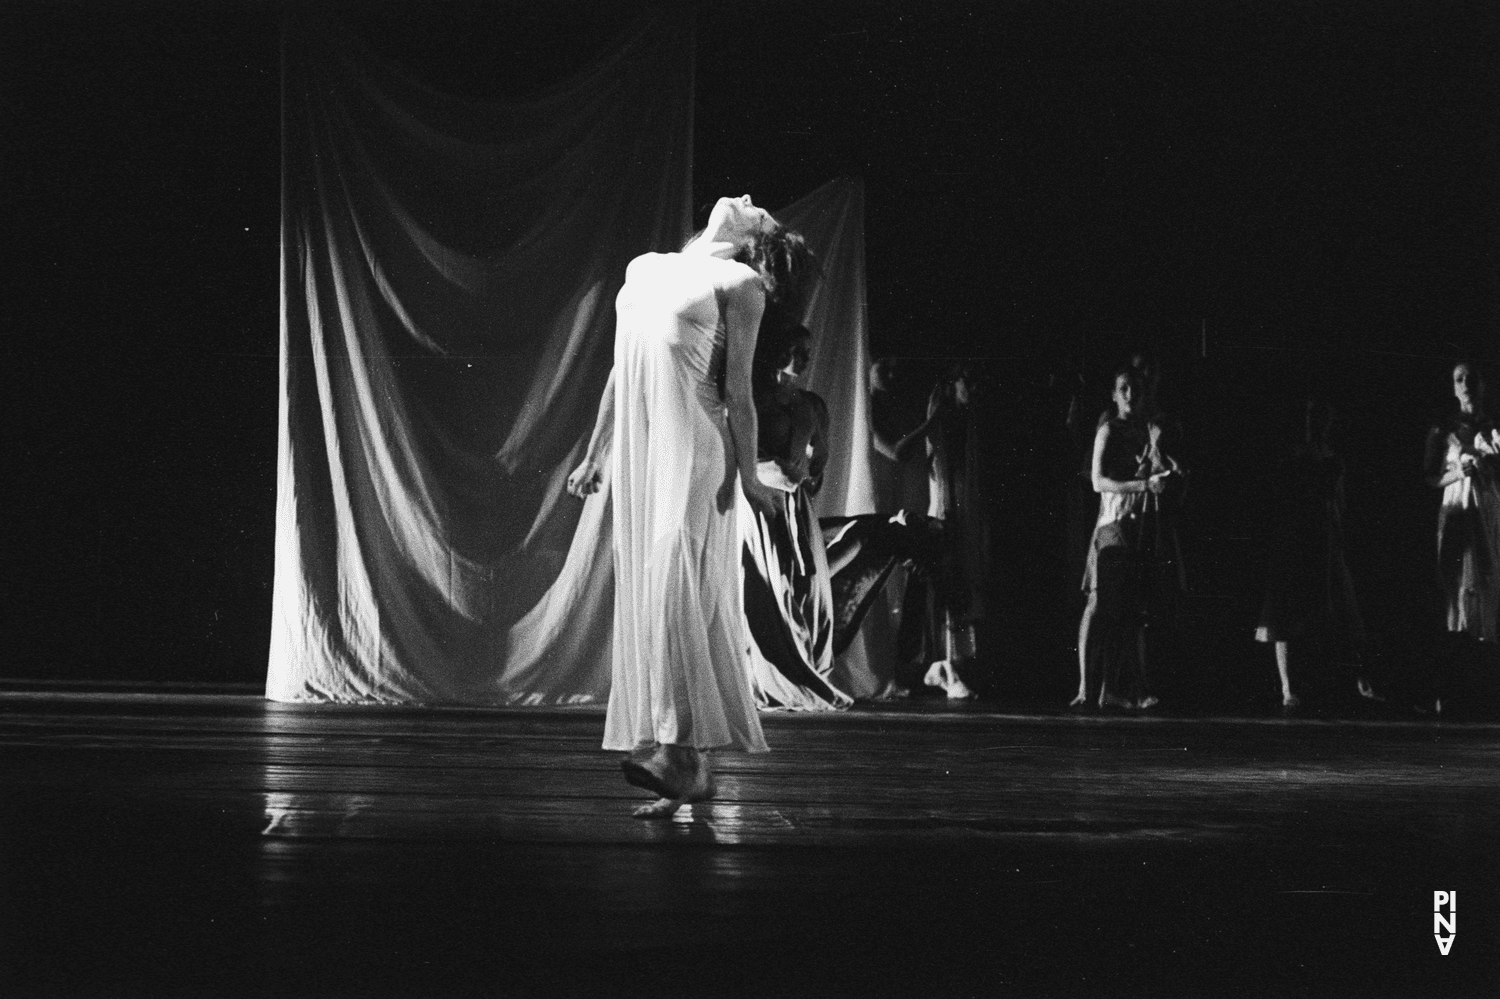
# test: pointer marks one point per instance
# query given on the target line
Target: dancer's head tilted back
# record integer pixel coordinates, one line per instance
(736, 220)
(787, 268)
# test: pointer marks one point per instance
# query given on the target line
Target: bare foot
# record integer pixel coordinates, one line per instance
(1147, 703)
(1079, 701)
(934, 677)
(661, 808)
(702, 785)
(699, 785)
(657, 772)
(941, 674)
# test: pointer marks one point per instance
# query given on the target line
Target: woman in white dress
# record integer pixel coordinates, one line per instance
(1463, 460)
(676, 428)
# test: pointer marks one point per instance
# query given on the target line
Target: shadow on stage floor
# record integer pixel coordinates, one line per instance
(184, 841)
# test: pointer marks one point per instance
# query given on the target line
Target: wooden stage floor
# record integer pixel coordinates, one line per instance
(175, 843)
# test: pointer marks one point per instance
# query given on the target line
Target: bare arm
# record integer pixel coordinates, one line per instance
(744, 303)
(898, 450)
(587, 477)
(883, 446)
(905, 444)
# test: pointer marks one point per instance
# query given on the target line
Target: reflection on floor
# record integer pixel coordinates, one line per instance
(177, 842)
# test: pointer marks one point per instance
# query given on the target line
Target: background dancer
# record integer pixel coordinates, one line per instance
(940, 612)
(1463, 460)
(1130, 472)
(1309, 592)
(788, 597)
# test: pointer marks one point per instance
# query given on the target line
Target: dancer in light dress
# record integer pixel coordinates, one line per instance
(1463, 460)
(676, 436)
(1130, 472)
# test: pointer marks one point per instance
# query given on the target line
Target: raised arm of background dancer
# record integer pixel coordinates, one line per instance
(745, 302)
(587, 477)
(1438, 472)
(897, 451)
(1102, 482)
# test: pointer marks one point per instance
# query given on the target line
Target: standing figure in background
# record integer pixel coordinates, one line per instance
(898, 432)
(1084, 501)
(1463, 460)
(898, 463)
(787, 590)
(1130, 472)
(676, 434)
(1309, 597)
(941, 610)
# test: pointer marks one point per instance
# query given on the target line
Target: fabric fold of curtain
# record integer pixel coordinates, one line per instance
(449, 270)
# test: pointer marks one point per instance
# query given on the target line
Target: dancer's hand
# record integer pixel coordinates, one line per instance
(765, 500)
(1158, 482)
(585, 479)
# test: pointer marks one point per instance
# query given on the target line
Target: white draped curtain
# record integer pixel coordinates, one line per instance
(449, 270)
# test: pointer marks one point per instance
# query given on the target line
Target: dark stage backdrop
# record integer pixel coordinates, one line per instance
(1309, 191)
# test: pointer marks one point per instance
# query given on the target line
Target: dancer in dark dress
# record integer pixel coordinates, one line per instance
(787, 588)
(943, 605)
(808, 584)
(1309, 600)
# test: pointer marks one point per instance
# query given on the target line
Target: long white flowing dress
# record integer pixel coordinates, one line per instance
(678, 666)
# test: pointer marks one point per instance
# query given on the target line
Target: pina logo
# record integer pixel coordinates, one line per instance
(1445, 919)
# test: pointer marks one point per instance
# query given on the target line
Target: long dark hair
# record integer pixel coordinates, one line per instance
(788, 269)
